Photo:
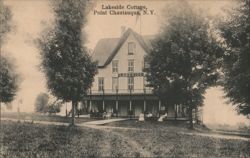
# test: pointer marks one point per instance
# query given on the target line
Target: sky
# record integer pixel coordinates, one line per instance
(30, 17)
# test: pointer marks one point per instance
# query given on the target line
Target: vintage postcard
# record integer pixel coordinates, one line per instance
(133, 78)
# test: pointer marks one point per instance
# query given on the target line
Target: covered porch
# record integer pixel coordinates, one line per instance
(132, 105)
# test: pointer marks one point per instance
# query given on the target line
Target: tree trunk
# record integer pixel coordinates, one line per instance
(74, 103)
(191, 125)
(0, 116)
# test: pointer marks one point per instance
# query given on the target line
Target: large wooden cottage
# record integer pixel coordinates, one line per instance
(120, 85)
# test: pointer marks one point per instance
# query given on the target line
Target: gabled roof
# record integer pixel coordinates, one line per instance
(107, 48)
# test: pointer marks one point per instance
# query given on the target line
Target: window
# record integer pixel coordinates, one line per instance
(101, 83)
(131, 65)
(145, 82)
(114, 83)
(146, 65)
(131, 83)
(131, 48)
(115, 66)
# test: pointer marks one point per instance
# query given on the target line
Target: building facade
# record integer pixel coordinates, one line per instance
(120, 87)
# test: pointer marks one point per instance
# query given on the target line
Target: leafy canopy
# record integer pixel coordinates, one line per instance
(183, 61)
(68, 67)
(235, 29)
(9, 79)
(5, 20)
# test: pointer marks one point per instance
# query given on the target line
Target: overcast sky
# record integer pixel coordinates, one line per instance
(30, 17)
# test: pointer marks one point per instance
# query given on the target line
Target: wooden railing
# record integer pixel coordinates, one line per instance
(120, 91)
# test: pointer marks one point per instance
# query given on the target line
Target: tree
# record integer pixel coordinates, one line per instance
(68, 67)
(8, 81)
(41, 103)
(8, 77)
(183, 61)
(5, 21)
(235, 29)
(54, 107)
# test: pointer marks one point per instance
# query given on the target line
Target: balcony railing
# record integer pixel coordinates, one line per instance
(120, 91)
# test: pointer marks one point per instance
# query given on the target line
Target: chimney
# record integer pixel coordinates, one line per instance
(123, 29)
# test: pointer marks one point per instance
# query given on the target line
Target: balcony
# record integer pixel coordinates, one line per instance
(121, 92)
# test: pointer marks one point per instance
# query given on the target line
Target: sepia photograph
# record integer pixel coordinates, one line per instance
(124, 78)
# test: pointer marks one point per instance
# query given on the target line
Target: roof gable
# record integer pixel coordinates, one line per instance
(107, 48)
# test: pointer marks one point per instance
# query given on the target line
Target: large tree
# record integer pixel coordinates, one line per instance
(235, 29)
(8, 76)
(184, 57)
(68, 67)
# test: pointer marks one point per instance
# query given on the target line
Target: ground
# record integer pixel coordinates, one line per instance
(44, 117)
(131, 139)
(24, 140)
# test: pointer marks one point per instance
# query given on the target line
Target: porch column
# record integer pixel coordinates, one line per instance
(66, 110)
(144, 105)
(144, 101)
(175, 111)
(103, 103)
(159, 107)
(116, 103)
(130, 100)
(130, 105)
(90, 105)
(90, 100)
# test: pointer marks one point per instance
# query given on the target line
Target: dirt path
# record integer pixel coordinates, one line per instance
(134, 145)
(220, 136)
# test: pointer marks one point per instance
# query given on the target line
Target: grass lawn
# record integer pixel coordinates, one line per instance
(46, 117)
(168, 139)
(24, 140)
(157, 140)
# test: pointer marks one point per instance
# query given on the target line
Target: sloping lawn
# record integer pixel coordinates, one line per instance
(46, 117)
(172, 144)
(169, 140)
(24, 140)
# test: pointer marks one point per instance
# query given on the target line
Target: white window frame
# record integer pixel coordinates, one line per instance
(100, 83)
(115, 65)
(131, 65)
(131, 48)
(115, 87)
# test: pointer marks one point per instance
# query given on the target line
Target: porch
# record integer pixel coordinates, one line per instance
(124, 103)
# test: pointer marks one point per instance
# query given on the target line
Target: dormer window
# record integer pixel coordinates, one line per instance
(131, 48)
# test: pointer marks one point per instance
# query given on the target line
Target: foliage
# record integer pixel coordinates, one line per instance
(54, 107)
(5, 20)
(183, 61)
(235, 29)
(9, 80)
(68, 67)
(41, 102)
(8, 76)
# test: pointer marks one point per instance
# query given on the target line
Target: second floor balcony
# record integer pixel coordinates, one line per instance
(146, 91)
